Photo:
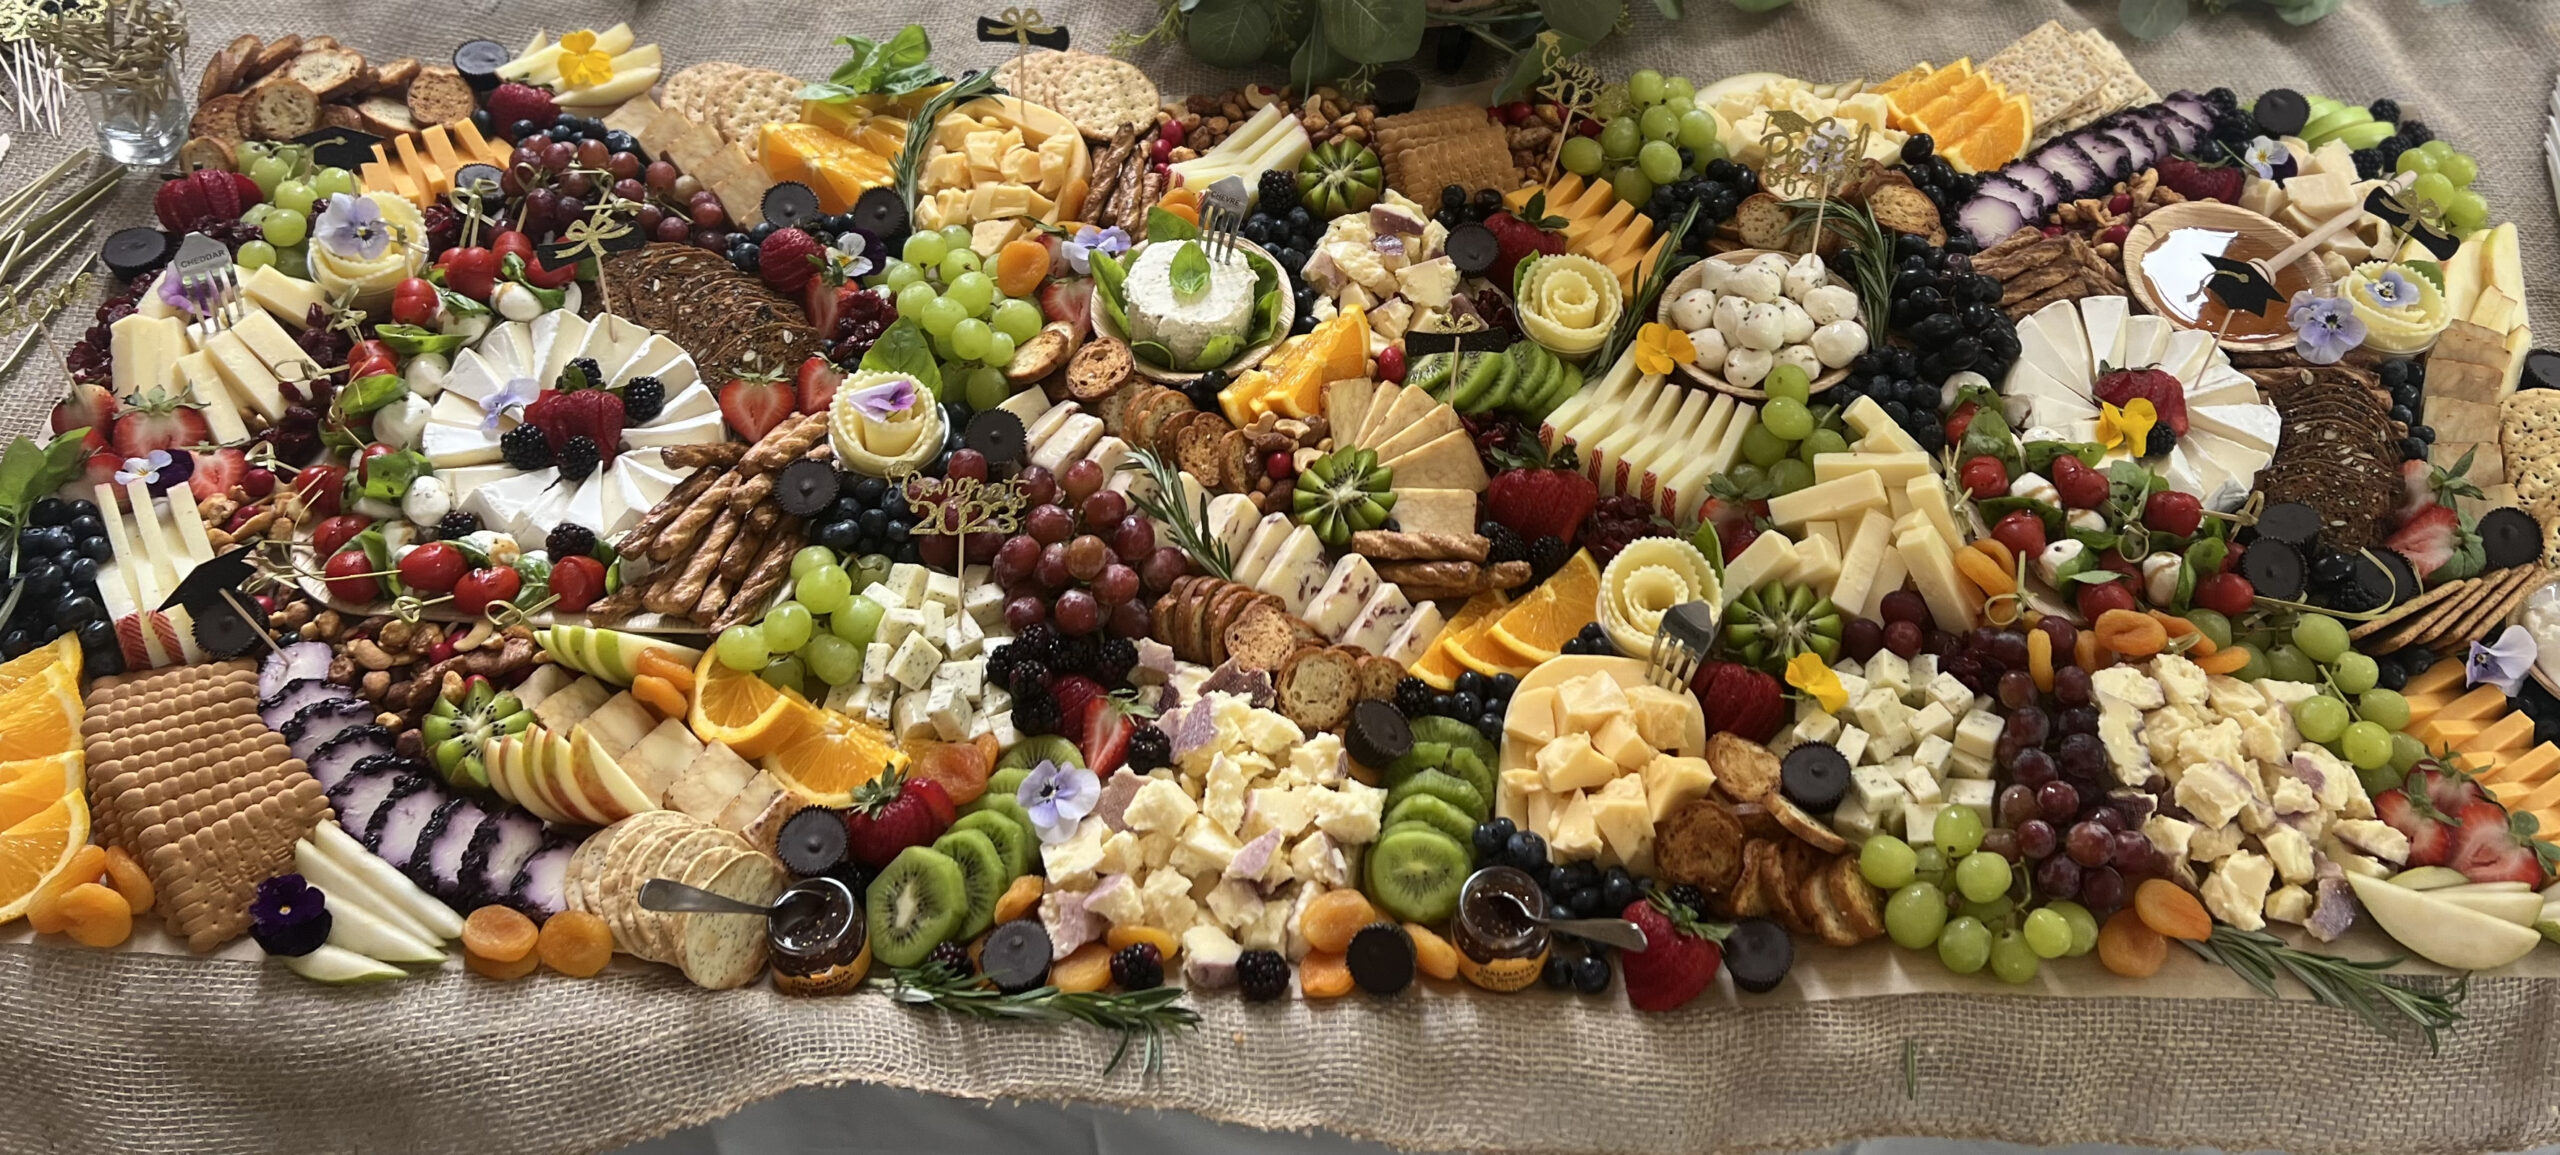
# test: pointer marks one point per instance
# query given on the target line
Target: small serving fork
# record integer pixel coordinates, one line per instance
(211, 285)
(1222, 212)
(1688, 632)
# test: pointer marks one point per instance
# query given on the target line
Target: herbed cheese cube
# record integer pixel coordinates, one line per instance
(1932, 721)
(1920, 823)
(1887, 671)
(899, 624)
(890, 599)
(1160, 806)
(1850, 820)
(965, 638)
(1974, 794)
(910, 581)
(943, 588)
(1852, 744)
(1918, 782)
(949, 711)
(875, 663)
(1877, 789)
(984, 604)
(935, 618)
(1000, 726)
(912, 666)
(1118, 899)
(1819, 726)
(1924, 670)
(1979, 733)
(1963, 765)
(2237, 891)
(912, 718)
(1879, 710)
(1947, 691)
(1852, 682)
(968, 674)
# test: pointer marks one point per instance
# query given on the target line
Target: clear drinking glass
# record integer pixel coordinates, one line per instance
(142, 124)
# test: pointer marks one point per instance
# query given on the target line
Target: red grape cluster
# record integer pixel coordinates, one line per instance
(1085, 560)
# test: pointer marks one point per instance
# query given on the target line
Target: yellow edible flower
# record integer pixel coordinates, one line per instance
(1659, 347)
(2130, 425)
(581, 65)
(1806, 672)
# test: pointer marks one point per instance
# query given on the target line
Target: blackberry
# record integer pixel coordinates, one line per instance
(1036, 643)
(1000, 663)
(2222, 98)
(1279, 191)
(1113, 661)
(587, 368)
(1149, 749)
(2368, 162)
(2391, 148)
(2162, 440)
(1547, 555)
(953, 957)
(1262, 974)
(569, 539)
(579, 457)
(1138, 966)
(2416, 132)
(1506, 546)
(1026, 677)
(643, 398)
(1077, 655)
(456, 524)
(1413, 697)
(1037, 714)
(1687, 897)
(2386, 110)
(526, 447)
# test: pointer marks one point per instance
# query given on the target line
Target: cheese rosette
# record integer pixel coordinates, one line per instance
(886, 445)
(2403, 312)
(370, 280)
(1647, 579)
(1568, 303)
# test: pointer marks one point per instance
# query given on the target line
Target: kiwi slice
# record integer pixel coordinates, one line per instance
(1414, 874)
(1013, 843)
(1002, 787)
(919, 901)
(1440, 784)
(1009, 807)
(1430, 373)
(1412, 824)
(1425, 755)
(1475, 380)
(982, 873)
(1537, 371)
(1032, 751)
(1454, 733)
(1466, 767)
(1424, 808)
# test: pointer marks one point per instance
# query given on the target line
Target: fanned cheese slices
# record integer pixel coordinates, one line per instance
(2067, 348)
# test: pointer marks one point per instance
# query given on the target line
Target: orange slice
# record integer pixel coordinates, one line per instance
(43, 714)
(1537, 626)
(1950, 102)
(26, 788)
(1998, 141)
(1487, 655)
(39, 847)
(742, 710)
(1438, 667)
(830, 757)
(1972, 116)
(62, 651)
(1903, 79)
(1915, 96)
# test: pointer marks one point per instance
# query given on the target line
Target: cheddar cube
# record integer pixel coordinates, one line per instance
(1671, 780)
(1532, 717)
(1590, 701)
(1618, 740)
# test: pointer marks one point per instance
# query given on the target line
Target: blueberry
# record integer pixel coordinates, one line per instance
(50, 511)
(44, 581)
(1581, 874)
(895, 502)
(1471, 682)
(97, 634)
(1585, 902)
(1505, 683)
(1527, 851)
(79, 608)
(898, 529)
(840, 536)
(1445, 705)
(1591, 974)
(1465, 704)
(1487, 841)
(1558, 974)
(83, 571)
(1617, 888)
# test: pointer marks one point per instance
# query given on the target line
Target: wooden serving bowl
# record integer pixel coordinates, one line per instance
(1693, 277)
(2216, 215)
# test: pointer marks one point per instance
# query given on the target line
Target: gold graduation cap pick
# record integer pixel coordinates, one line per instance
(1571, 84)
(1810, 159)
(960, 506)
(1025, 27)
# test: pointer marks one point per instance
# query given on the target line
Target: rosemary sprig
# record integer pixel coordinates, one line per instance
(910, 162)
(2360, 987)
(1140, 1016)
(1871, 252)
(1190, 524)
(1667, 263)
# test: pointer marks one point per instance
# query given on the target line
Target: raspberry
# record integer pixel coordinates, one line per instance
(1263, 975)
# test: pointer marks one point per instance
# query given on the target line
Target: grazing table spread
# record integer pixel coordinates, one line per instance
(2001, 569)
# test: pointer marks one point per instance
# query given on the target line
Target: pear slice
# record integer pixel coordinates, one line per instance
(2429, 878)
(2505, 906)
(2442, 932)
(338, 965)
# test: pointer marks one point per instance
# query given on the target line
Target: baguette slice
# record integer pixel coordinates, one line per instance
(279, 108)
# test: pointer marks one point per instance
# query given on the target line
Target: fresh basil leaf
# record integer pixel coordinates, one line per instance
(1230, 33)
(2092, 577)
(2207, 556)
(1108, 280)
(1584, 20)
(864, 50)
(1670, 9)
(18, 469)
(903, 349)
(457, 305)
(536, 574)
(411, 340)
(1220, 350)
(2151, 19)
(1266, 301)
(387, 478)
(825, 92)
(1164, 226)
(1372, 31)
(1989, 436)
(62, 463)
(366, 394)
(2310, 10)
(1190, 272)
(2186, 588)
(376, 550)
(1154, 352)
(2040, 455)
(1119, 315)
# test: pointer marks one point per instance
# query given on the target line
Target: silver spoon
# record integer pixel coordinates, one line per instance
(1616, 932)
(668, 896)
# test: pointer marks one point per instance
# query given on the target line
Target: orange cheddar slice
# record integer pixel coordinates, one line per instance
(2480, 705)
(468, 141)
(440, 149)
(2441, 733)
(2528, 768)
(377, 176)
(2509, 734)
(2441, 678)
(2424, 706)
(2542, 797)
(429, 179)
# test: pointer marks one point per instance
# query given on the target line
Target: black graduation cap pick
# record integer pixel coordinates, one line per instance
(1022, 26)
(2419, 220)
(344, 148)
(1476, 341)
(227, 622)
(2240, 286)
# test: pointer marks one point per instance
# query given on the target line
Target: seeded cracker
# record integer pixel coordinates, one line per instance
(752, 100)
(1099, 94)
(2050, 67)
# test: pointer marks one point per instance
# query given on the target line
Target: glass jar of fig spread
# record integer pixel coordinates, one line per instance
(1498, 948)
(816, 939)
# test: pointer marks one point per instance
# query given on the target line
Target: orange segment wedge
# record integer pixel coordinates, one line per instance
(1536, 627)
(1903, 79)
(1438, 666)
(63, 651)
(43, 715)
(26, 788)
(1997, 140)
(1912, 97)
(37, 848)
(742, 710)
(828, 758)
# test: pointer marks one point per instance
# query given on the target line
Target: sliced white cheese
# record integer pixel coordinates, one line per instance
(508, 348)
(2145, 342)
(2063, 342)
(1259, 550)
(245, 375)
(453, 445)
(1336, 607)
(2102, 319)
(2255, 426)
(690, 431)
(2051, 403)
(1770, 557)
(693, 402)
(597, 504)
(502, 504)
(274, 347)
(640, 488)
(1297, 570)
(2189, 353)
(1379, 620)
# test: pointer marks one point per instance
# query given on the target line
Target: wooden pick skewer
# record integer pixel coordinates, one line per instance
(2327, 229)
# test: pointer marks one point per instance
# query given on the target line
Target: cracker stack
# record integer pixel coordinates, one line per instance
(2466, 379)
(716, 951)
(2068, 79)
(1755, 854)
(184, 775)
(729, 321)
(1100, 94)
(710, 125)
(2340, 451)
(1212, 622)
(2456, 613)
(1451, 145)
(2529, 453)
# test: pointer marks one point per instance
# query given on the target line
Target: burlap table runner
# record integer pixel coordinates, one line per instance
(137, 1051)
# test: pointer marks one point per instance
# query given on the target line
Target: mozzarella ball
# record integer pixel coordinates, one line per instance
(1713, 275)
(1695, 309)
(1746, 368)
(1774, 264)
(1838, 343)
(1756, 284)
(1806, 275)
(1802, 357)
(1794, 324)
(1830, 303)
(1763, 328)
(1711, 349)
(1729, 314)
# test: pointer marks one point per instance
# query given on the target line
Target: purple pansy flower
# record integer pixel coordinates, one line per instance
(2268, 159)
(1057, 798)
(2502, 663)
(884, 400)
(290, 917)
(2327, 327)
(352, 227)
(157, 470)
(2391, 290)
(518, 391)
(1090, 240)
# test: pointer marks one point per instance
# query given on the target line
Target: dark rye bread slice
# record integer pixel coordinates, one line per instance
(279, 108)
(1318, 686)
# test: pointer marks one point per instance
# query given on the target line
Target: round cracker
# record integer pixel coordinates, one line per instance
(684, 856)
(686, 89)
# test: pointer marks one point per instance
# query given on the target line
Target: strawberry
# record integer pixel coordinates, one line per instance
(159, 420)
(1106, 735)
(788, 260)
(189, 203)
(2447, 791)
(1530, 232)
(2426, 539)
(2193, 181)
(1739, 700)
(1070, 301)
(512, 101)
(1542, 497)
(2416, 492)
(100, 466)
(754, 403)
(2430, 841)
(2487, 849)
(1736, 523)
(85, 407)
(2167, 396)
(816, 383)
(823, 300)
(1680, 957)
(596, 414)
(891, 813)
(1075, 694)
(216, 472)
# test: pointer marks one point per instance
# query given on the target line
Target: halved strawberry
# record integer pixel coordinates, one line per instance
(159, 420)
(2448, 792)
(2168, 398)
(753, 405)
(1075, 694)
(816, 383)
(216, 472)
(1739, 700)
(2487, 849)
(2426, 538)
(1106, 735)
(823, 301)
(88, 406)
(2430, 840)
(1071, 301)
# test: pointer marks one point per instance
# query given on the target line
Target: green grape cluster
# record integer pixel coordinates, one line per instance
(974, 327)
(1646, 124)
(820, 632)
(2354, 717)
(296, 189)
(1958, 898)
(2445, 176)
(1778, 449)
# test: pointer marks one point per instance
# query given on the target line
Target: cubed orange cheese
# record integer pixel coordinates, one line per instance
(2480, 705)
(2443, 677)
(2510, 733)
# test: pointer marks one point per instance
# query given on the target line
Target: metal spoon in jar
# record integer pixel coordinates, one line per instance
(668, 896)
(1616, 932)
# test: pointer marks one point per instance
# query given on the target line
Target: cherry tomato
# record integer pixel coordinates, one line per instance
(2079, 486)
(2098, 599)
(369, 358)
(349, 576)
(472, 272)
(2172, 512)
(480, 587)
(333, 532)
(2022, 531)
(322, 488)
(578, 581)
(2227, 594)
(414, 302)
(1961, 420)
(536, 273)
(1984, 476)
(433, 567)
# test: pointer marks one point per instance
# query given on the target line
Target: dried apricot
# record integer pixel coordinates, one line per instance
(2168, 908)
(988, 747)
(2129, 948)
(2040, 659)
(1997, 552)
(575, 943)
(660, 695)
(128, 878)
(1020, 267)
(1432, 954)
(1985, 574)
(1329, 922)
(1021, 899)
(657, 663)
(959, 767)
(2131, 634)
(1324, 974)
(505, 972)
(95, 916)
(1088, 969)
(2177, 627)
(44, 907)
(1183, 196)
(499, 933)
(1123, 937)
(1186, 212)
(2228, 660)
(2086, 653)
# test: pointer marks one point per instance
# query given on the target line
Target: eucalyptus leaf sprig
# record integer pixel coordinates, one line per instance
(1142, 1017)
(1189, 523)
(2361, 987)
